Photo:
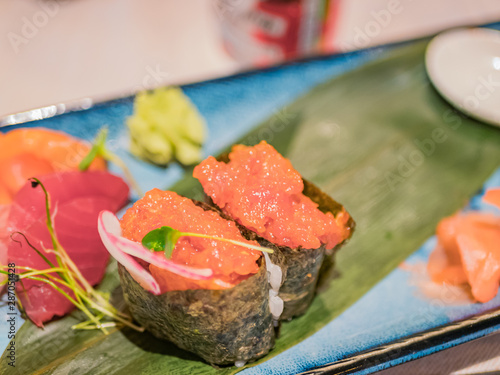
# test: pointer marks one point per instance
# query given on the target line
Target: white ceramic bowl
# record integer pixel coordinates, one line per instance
(464, 66)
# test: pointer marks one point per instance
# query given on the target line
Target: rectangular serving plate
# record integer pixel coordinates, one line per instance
(232, 107)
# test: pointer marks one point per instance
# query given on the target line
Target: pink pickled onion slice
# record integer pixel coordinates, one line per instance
(123, 249)
(158, 260)
(77, 198)
(109, 230)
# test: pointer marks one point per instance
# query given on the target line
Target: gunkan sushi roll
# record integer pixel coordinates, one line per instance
(224, 317)
(259, 189)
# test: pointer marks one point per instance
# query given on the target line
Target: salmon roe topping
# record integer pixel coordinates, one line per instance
(261, 190)
(231, 264)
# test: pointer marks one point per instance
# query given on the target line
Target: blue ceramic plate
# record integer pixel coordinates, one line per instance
(391, 324)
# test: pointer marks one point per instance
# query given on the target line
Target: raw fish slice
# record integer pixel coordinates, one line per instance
(62, 150)
(14, 171)
(479, 245)
(492, 196)
(445, 264)
(76, 195)
(5, 198)
(4, 235)
(468, 251)
(36, 152)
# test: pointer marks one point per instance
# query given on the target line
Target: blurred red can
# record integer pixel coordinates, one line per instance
(262, 32)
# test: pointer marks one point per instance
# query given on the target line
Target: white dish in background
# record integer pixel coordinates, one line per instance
(464, 66)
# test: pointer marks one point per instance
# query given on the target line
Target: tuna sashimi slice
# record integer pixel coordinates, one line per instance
(77, 198)
(4, 235)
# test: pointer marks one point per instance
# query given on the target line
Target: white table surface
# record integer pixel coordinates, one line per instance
(107, 48)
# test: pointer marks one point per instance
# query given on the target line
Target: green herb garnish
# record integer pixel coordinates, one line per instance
(99, 150)
(65, 274)
(165, 238)
(162, 239)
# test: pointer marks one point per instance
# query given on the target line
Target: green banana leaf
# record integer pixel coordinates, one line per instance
(382, 142)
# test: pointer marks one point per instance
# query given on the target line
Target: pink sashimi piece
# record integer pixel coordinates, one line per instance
(482, 267)
(4, 236)
(77, 198)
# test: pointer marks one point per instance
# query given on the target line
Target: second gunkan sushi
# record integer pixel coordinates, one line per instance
(259, 189)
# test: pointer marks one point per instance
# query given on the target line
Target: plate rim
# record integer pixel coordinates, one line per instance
(365, 360)
(486, 323)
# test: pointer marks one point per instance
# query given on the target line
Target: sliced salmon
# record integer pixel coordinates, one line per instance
(468, 251)
(492, 196)
(32, 152)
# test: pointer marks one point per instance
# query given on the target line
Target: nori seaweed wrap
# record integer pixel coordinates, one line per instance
(328, 204)
(225, 319)
(221, 326)
(306, 267)
(302, 267)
